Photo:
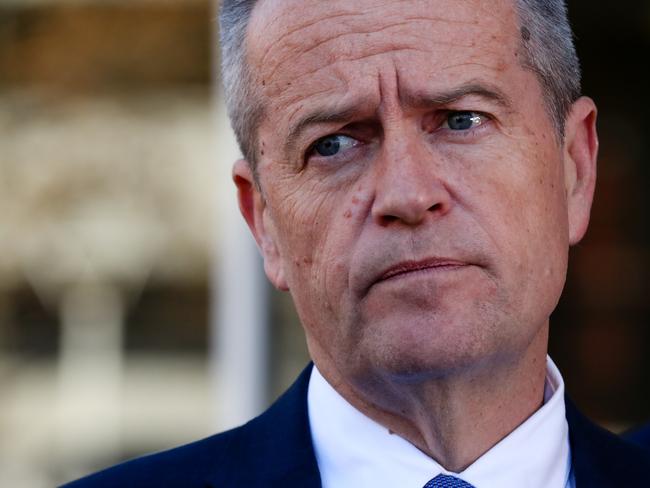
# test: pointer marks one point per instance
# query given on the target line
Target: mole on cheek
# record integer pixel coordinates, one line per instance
(347, 214)
(304, 261)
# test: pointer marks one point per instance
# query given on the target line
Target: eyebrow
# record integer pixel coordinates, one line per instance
(421, 99)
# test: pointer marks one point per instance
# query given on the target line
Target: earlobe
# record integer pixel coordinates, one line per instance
(580, 155)
(254, 210)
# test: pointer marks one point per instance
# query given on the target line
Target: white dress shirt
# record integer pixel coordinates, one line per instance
(354, 451)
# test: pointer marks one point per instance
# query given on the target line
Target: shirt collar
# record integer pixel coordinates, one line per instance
(353, 450)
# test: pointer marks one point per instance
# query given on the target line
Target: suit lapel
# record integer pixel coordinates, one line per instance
(274, 449)
(601, 459)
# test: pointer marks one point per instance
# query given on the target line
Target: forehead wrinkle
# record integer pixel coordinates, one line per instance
(290, 32)
(342, 28)
(446, 20)
(341, 56)
(485, 11)
(303, 99)
(283, 88)
(401, 49)
(280, 14)
(378, 51)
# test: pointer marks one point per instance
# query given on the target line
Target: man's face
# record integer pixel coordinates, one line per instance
(414, 197)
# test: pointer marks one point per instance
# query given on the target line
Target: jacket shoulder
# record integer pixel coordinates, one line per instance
(602, 459)
(186, 466)
(640, 436)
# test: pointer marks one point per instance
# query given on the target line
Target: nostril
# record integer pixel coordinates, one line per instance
(388, 219)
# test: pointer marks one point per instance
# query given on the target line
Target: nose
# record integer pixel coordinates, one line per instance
(409, 188)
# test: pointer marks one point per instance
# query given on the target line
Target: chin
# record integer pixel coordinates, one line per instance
(427, 347)
(407, 356)
(406, 367)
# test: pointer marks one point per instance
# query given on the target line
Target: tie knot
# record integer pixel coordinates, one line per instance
(446, 481)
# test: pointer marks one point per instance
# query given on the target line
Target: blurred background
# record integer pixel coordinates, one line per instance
(133, 311)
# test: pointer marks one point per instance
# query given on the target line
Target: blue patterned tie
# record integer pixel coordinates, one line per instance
(446, 481)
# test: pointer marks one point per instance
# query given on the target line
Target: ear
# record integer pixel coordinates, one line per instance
(580, 155)
(253, 207)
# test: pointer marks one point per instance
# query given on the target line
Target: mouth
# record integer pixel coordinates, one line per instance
(409, 268)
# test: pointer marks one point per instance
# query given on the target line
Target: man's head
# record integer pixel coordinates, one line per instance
(546, 47)
(418, 184)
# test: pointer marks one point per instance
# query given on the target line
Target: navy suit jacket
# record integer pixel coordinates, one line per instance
(275, 450)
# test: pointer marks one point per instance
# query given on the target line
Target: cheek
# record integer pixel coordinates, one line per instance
(521, 187)
(525, 209)
(311, 234)
(517, 199)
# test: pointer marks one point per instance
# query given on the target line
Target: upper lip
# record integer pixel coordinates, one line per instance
(410, 266)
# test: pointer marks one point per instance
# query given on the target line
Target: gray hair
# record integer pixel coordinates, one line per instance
(547, 48)
(547, 42)
(243, 103)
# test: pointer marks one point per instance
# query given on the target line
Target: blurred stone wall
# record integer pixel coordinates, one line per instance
(108, 149)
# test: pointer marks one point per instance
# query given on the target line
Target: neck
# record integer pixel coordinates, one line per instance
(454, 419)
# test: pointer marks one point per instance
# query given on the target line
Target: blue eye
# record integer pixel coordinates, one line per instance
(459, 121)
(329, 146)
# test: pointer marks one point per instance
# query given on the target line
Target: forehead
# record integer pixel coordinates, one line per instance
(302, 51)
(336, 30)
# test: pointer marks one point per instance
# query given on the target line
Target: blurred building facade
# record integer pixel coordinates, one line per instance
(108, 154)
(115, 204)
